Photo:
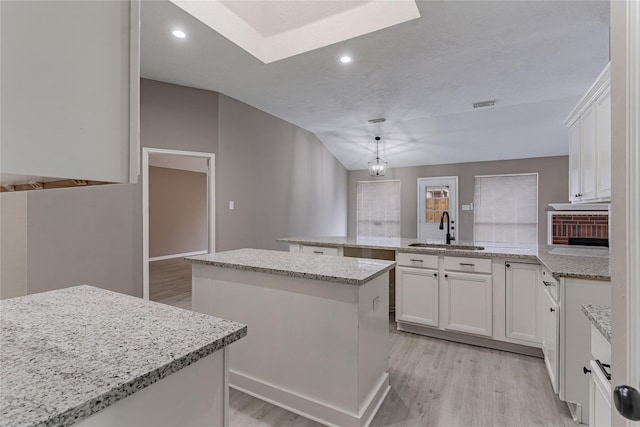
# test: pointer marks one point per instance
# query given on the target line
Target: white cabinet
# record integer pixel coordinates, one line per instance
(575, 176)
(522, 285)
(469, 307)
(599, 398)
(417, 295)
(70, 90)
(550, 312)
(590, 144)
(603, 154)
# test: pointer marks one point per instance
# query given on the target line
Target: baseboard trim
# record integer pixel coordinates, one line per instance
(470, 339)
(309, 407)
(160, 258)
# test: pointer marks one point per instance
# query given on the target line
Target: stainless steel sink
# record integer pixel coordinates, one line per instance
(437, 245)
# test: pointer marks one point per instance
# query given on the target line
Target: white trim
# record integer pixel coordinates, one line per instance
(211, 205)
(163, 257)
(309, 407)
(458, 229)
(633, 194)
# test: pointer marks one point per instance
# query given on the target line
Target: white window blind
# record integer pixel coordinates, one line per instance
(506, 208)
(378, 209)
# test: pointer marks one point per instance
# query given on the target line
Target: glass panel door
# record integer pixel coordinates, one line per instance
(436, 196)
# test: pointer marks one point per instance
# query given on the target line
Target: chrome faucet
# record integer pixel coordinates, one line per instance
(449, 238)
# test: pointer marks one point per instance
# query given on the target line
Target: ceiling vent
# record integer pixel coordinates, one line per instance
(482, 104)
(380, 120)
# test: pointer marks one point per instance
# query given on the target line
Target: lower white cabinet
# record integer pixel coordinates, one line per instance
(522, 285)
(417, 296)
(550, 312)
(599, 398)
(469, 307)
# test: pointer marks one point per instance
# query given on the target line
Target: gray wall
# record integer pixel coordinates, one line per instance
(13, 244)
(177, 211)
(553, 181)
(283, 181)
(282, 178)
(83, 236)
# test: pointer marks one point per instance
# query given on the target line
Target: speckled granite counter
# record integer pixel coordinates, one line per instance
(562, 261)
(600, 317)
(349, 271)
(67, 354)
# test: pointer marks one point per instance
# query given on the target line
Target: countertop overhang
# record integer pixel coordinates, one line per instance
(563, 261)
(348, 271)
(69, 353)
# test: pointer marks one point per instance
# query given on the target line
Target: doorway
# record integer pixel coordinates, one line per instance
(178, 160)
(435, 196)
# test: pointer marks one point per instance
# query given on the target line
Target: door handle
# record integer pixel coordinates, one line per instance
(627, 401)
(318, 252)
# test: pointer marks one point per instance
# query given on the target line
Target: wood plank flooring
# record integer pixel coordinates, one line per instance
(433, 382)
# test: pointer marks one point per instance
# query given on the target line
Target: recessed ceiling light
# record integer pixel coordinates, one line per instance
(345, 59)
(179, 34)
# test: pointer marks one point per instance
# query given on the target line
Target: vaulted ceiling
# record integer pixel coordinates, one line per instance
(535, 58)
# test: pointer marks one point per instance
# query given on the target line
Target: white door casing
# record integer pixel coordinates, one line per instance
(429, 230)
(625, 252)
(211, 206)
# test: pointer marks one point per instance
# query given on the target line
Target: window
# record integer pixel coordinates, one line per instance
(506, 208)
(378, 209)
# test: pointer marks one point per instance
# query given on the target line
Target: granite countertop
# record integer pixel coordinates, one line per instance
(563, 261)
(69, 353)
(349, 271)
(600, 317)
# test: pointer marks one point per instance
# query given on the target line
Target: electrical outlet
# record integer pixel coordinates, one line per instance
(231, 205)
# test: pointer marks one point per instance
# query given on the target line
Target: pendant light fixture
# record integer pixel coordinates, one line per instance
(377, 167)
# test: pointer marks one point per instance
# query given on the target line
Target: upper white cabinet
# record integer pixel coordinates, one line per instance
(590, 144)
(70, 89)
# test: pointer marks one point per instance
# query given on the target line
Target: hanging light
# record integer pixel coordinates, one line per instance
(377, 167)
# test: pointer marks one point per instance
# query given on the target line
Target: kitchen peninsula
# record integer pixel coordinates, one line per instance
(91, 357)
(319, 329)
(520, 298)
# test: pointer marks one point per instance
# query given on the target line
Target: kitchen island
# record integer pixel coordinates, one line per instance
(319, 329)
(91, 357)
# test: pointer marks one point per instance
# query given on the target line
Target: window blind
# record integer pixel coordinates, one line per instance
(378, 209)
(506, 208)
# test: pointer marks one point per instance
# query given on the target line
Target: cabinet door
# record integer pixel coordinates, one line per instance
(551, 343)
(417, 296)
(521, 305)
(70, 89)
(574, 162)
(603, 157)
(599, 398)
(469, 303)
(588, 156)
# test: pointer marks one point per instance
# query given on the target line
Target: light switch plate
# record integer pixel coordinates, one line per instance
(231, 205)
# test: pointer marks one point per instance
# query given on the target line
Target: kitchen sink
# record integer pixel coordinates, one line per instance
(442, 245)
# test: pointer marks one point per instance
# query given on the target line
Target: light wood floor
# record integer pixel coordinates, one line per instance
(433, 382)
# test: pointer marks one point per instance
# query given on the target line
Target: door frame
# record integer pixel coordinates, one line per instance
(211, 210)
(625, 280)
(457, 205)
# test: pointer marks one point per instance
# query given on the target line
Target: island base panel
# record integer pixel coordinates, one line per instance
(194, 396)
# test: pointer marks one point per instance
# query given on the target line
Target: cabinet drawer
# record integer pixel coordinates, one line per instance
(475, 265)
(319, 250)
(417, 260)
(550, 283)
